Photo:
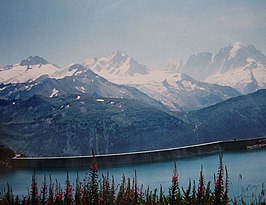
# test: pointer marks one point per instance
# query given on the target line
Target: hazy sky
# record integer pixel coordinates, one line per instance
(70, 31)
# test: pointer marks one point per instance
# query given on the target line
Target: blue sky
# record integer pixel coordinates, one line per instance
(152, 31)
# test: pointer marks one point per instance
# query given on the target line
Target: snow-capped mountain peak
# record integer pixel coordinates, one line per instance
(239, 66)
(33, 60)
(236, 54)
(116, 65)
(115, 58)
(27, 70)
(117, 54)
(234, 48)
(76, 67)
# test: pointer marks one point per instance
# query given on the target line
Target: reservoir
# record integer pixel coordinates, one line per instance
(246, 172)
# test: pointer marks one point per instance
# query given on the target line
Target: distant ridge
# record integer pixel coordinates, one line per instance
(68, 125)
(240, 66)
(36, 60)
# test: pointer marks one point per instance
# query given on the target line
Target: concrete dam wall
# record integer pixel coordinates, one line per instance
(138, 157)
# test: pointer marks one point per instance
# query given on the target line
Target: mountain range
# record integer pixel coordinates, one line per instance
(240, 117)
(82, 81)
(175, 90)
(240, 66)
(73, 125)
(115, 104)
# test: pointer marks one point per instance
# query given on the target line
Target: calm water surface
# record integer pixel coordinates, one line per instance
(246, 169)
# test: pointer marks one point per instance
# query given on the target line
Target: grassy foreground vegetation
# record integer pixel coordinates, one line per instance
(95, 190)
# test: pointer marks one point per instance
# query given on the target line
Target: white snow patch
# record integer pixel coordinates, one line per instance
(235, 47)
(54, 93)
(189, 86)
(81, 89)
(36, 83)
(21, 74)
(250, 60)
(237, 78)
(260, 75)
(28, 87)
(3, 88)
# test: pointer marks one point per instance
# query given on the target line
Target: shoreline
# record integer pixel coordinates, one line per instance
(117, 159)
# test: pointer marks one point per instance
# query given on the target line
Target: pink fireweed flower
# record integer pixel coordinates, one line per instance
(94, 166)
(69, 188)
(81, 190)
(58, 196)
(174, 179)
(219, 182)
(34, 188)
(200, 190)
(68, 192)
